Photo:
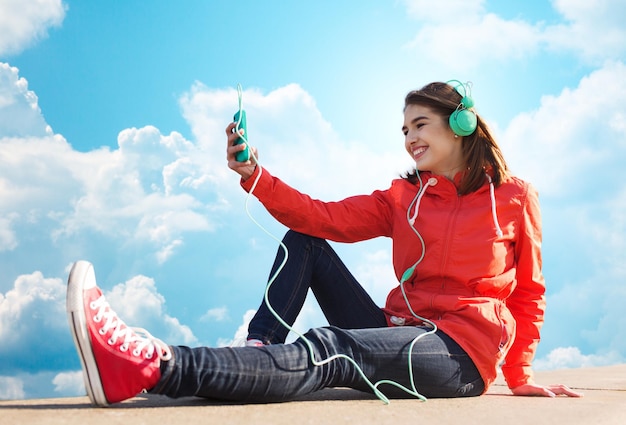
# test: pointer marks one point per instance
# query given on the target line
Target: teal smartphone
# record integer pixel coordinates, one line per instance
(243, 155)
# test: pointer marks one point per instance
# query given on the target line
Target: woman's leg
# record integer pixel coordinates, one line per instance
(119, 362)
(312, 263)
(282, 372)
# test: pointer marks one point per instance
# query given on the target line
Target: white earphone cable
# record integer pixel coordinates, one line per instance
(407, 274)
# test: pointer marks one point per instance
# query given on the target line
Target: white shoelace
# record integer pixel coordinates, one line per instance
(139, 336)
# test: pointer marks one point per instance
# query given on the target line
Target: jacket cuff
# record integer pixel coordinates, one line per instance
(516, 376)
(247, 184)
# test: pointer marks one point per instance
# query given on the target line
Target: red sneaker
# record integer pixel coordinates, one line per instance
(118, 362)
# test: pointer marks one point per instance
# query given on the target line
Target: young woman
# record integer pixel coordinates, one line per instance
(466, 250)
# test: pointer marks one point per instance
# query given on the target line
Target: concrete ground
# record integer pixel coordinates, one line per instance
(604, 402)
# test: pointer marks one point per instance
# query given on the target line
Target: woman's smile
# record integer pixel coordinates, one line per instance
(418, 151)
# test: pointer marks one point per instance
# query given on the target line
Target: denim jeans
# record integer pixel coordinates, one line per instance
(284, 371)
(313, 264)
(358, 329)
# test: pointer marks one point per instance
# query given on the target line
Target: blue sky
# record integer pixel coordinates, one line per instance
(112, 118)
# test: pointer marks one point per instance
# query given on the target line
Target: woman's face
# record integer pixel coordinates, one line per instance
(431, 143)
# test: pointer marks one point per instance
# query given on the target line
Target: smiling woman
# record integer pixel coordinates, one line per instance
(471, 292)
(431, 142)
(431, 110)
(78, 78)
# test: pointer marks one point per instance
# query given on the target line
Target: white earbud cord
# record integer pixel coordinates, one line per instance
(374, 386)
(408, 273)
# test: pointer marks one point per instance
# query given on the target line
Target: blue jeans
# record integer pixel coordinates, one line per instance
(284, 371)
(358, 329)
(313, 264)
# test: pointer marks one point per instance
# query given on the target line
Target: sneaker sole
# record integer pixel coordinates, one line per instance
(79, 275)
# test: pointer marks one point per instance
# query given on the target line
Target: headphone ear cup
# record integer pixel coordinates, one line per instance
(463, 122)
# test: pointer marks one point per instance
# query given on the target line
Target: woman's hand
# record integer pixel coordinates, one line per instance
(544, 391)
(244, 169)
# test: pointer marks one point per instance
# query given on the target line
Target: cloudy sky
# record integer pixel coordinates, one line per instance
(112, 118)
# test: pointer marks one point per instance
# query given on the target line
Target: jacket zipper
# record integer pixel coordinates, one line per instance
(504, 337)
(446, 247)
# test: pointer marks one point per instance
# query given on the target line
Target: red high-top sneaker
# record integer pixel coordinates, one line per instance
(118, 362)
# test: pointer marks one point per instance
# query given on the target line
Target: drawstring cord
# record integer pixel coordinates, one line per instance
(494, 213)
(431, 182)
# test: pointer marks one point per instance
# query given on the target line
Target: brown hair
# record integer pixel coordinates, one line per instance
(480, 150)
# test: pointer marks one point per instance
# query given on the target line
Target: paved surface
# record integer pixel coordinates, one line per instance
(604, 402)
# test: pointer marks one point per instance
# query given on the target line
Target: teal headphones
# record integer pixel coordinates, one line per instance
(463, 121)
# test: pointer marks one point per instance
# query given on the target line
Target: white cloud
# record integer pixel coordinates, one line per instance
(150, 191)
(139, 304)
(573, 136)
(585, 301)
(462, 35)
(156, 188)
(572, 148)
(217, 314)
(295, 142)
(11, 388)
(595, 30)
(125, 192)
(8, 239)
(20, 115)
(459, 45)
(36, 177)
(24, 23)
(603, 229)
(241, 333)
(571, 357)
(32, 315)
(375, 273)
(167, 251)
(69, 384)
(311, 316)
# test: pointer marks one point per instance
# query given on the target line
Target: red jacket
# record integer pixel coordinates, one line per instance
(484, 291)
